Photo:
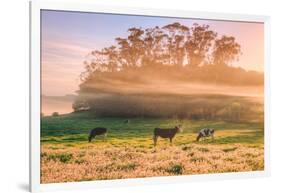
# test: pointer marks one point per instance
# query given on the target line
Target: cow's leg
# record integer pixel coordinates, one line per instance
(104, 136)
(213, 137)
(155, 140)
(171, 140)
(198, 137)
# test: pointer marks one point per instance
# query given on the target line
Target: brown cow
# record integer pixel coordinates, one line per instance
(166, 133)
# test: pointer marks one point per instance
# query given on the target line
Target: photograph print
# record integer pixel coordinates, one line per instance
(133, 96)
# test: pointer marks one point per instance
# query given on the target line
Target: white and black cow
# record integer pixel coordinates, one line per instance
(205, 132)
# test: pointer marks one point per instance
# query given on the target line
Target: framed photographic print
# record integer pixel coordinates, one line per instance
(127, 96)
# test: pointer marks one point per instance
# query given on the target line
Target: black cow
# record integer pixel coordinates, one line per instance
(205, 132)
(166, 133)
(97, 131)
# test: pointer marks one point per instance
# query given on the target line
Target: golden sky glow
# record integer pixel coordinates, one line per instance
(67, 38)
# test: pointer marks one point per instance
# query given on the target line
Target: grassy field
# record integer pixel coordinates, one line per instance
(128, 150)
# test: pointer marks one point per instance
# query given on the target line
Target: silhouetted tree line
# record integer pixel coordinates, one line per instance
(174, 44)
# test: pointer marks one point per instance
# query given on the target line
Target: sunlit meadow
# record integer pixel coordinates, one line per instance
(128, 150)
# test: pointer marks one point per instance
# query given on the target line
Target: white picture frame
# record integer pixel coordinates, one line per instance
(35, 89)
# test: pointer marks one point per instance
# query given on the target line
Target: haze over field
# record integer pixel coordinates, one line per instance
(63, 104)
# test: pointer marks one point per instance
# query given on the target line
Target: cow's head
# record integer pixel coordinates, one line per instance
(179, 128)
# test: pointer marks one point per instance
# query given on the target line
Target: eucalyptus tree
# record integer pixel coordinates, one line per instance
(176, 37)
(226, 50)
(199, 44)
(132, 48)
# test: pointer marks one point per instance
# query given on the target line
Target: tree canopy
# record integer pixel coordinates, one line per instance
(173, 44)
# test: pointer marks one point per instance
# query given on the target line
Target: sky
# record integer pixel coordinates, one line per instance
(68, 37)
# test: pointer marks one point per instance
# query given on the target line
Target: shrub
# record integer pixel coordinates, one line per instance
(175, 169)
(43, 154)
(55, 114)
(191, 154)
(79, 161)
(61, 157)
(202, 149)
(197, 159)
(130, 166)
(185, 148)
(65, 157)
(229, 149)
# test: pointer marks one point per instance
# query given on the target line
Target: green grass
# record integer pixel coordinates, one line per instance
(72, 129)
